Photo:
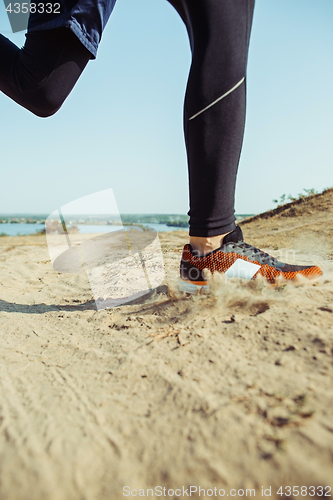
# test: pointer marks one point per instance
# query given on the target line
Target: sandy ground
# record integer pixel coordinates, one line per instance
(231, 390)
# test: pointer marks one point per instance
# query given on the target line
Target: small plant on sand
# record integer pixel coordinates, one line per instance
(286, 199)
(308, 192)
(39, 232)
(281, 201)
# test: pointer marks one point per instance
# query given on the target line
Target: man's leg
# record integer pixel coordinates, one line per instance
(214, 112)
(40, 76)
(214, 117)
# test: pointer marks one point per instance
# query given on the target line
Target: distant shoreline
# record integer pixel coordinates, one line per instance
(170, 220)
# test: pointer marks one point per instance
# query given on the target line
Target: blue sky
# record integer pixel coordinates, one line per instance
(121, 127)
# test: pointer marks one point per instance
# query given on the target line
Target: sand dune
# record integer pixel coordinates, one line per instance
(229, 390)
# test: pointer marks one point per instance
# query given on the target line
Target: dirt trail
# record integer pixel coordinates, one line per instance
(229, 390)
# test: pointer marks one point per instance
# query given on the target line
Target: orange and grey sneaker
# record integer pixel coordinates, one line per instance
(236, 259)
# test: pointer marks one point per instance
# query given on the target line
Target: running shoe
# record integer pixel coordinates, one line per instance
(236, 259)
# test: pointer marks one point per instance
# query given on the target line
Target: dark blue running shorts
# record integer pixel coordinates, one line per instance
(86, 18)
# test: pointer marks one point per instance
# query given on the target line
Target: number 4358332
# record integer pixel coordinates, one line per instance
(311, 491)
(33, 8)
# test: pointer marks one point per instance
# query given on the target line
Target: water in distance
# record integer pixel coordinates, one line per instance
(28, 229)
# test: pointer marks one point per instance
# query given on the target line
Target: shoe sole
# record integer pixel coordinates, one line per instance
(190, 287)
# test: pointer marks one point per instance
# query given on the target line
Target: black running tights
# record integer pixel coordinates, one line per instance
(40, 76)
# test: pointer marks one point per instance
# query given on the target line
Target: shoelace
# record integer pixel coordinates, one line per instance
(264, 257)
